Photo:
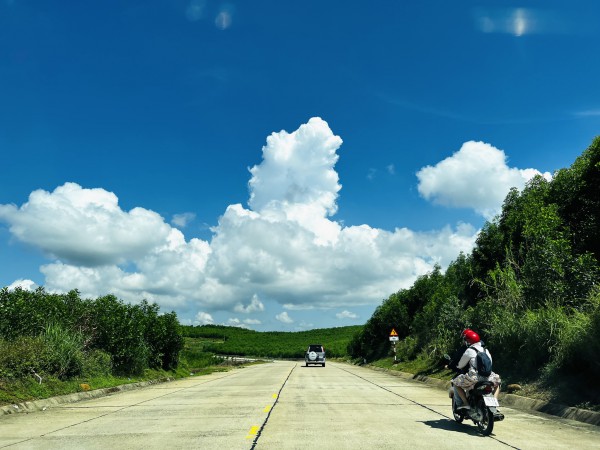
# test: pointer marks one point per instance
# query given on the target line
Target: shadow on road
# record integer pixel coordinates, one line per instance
(451, 425)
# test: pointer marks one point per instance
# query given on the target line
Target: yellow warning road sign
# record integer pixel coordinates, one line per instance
(393, 333)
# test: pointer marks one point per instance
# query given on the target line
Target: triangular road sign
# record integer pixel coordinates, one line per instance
(393, 333)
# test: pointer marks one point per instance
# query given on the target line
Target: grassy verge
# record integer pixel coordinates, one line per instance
(194, 361)
(565, 389)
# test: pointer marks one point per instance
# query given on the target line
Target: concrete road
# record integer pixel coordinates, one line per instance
(282, 405)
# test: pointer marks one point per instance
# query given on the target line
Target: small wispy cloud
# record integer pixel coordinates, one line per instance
(528, 21)
(182, 220)
(195, 10)
(298, 307)
(346, 315)
(235, 322)
(284, 317)
(371, 174)
(587, 113)
(224, 18)
(391, 169)
(475, 118)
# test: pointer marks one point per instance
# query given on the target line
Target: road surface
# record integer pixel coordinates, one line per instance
(282, 405)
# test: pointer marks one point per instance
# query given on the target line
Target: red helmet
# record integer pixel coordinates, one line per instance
(470, 336)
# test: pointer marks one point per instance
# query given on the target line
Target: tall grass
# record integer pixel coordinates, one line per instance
(65, 351)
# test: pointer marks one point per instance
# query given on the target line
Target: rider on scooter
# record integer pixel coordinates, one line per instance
(467, 367)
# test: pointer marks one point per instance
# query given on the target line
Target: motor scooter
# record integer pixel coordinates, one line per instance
(484, 406)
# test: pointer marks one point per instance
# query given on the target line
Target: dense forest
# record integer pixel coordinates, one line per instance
(530, 286)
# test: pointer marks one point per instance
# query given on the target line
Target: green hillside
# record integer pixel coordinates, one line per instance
(243, 342)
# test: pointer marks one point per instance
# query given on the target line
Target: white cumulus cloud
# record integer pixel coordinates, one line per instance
(296, 180)
(252, 321)
(85, 226)
(284, 317)
(476, 176)
(26, 285)
(255, 305)
(285, 247)
(203, 318)
(346, 315)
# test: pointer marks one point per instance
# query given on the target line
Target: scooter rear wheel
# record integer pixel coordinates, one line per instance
(486, 424)
(457, 416)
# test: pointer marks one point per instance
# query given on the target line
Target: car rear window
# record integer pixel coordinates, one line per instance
(315, 348)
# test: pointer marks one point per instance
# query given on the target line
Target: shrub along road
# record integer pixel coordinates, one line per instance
(277, 406)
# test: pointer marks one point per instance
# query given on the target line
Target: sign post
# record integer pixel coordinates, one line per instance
(394, 338)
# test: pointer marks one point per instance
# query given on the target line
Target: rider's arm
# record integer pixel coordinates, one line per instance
(464, 360)
(456, 358)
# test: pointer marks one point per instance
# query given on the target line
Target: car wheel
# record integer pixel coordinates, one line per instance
(323, 364)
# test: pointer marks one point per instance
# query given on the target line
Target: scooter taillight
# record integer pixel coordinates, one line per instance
(487, 389)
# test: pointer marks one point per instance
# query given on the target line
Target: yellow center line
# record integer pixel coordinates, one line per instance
(252, 432)
(267, 408)
(274, 395)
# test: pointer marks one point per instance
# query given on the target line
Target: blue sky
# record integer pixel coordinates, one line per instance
(276, 165)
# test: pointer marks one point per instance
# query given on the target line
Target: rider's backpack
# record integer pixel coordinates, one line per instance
(483, 362)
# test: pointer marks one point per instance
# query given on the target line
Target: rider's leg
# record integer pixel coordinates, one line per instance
(462, 395)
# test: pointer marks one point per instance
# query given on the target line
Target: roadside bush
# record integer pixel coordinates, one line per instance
(22, 355)
(589, 345)
(119, 330)
(162, 336)
(580, 342)
(541, 335)
(407, 349)
(96, 363)
(526, 341)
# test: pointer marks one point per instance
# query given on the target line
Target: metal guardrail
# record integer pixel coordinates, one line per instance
(235, 359)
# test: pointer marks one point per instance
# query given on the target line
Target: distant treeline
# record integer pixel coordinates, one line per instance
(529, 287)
(274, 344)
(66, 336)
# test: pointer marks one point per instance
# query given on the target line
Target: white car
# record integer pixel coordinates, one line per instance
(315, 354)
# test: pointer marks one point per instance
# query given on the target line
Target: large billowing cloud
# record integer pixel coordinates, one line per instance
(85, 226)
(285, 247)
(475, 177)
(296, 181)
